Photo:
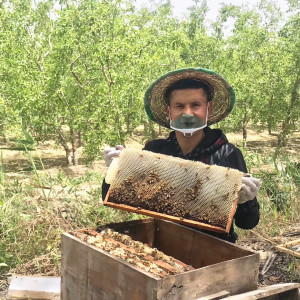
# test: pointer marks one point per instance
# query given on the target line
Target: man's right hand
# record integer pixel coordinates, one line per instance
(249, 190)
(112, 152)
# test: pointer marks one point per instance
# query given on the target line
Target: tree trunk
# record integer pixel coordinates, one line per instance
(269, 129)
(244, 136)
(69, 156)
(270, 114)
(128, 124)
(244, 126)
(80, 143)
(75, 156)
(128, 119)
(74, 147)
(285, 127)
(64, 143)
(119, 128)
(149, 130)
(152, 130)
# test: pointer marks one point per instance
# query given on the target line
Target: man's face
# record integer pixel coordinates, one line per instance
(189, 101)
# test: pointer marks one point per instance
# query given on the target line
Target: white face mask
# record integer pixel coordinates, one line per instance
(188, 123)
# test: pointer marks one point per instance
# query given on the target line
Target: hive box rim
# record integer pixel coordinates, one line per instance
(158, 279)
(148, 220)
(151, 219)
(244, 249)
(157, 288)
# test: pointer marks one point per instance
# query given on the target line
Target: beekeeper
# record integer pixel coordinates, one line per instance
(189, 101)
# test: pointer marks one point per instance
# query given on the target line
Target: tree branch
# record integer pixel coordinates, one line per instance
(40, 67)
(143, 48)
(110, 82)
(50, 44)
(73, 73)
(66, 101)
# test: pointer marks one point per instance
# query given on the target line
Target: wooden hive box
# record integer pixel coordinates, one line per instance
(91, 273)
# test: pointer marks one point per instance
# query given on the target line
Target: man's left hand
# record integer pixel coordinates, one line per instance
(249, 190)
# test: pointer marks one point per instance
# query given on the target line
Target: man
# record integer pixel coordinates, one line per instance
(188, 100)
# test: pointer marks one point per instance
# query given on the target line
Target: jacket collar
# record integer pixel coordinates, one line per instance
(213, 140)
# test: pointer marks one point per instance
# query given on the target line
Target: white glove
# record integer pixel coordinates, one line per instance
(110, 153)
(249, 190)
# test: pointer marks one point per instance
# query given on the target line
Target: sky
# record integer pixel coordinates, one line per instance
(180, 6)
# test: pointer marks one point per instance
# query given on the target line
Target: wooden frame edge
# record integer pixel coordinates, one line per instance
(231, 215)
(163, 216)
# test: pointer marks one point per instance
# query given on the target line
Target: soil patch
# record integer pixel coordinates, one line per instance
(275, 266)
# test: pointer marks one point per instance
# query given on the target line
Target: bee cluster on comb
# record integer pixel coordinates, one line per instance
(187, 190)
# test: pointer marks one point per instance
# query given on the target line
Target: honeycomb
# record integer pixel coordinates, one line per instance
(136, 253)
(174, 186)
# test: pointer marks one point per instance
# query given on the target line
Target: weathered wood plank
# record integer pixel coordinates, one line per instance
(235, 276)
(284, 248)
(34, 287)
(217, 296)
(285, 291)
(193, 247)
(90, 273)
(139, 230)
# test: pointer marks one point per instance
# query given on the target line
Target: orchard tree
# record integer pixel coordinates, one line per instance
(290, 35)
(239, 64)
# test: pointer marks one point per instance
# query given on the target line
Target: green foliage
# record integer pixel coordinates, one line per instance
(77, 72)
(37, 176)
(278, 190)
(282, 186)
(30, 226)
(252, 158)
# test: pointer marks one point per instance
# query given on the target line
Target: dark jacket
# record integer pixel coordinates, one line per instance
(213, 150)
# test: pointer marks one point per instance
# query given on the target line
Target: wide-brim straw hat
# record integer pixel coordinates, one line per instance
(223, 96)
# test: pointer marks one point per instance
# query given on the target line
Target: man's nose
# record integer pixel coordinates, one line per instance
(188, 110)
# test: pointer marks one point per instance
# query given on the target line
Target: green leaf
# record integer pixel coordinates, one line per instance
(3, 265)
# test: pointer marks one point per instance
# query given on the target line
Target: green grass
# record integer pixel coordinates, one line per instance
(2, 180)
(279, 196)
(31, 222)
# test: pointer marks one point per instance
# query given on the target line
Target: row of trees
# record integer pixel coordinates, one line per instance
(75, 71)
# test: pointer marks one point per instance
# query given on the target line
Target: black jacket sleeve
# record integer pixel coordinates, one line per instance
(247, 214)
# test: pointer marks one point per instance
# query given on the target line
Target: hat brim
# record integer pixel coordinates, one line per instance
(222, 102)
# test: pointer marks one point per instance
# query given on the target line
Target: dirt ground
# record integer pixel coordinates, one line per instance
(275, 266)
(280, 263)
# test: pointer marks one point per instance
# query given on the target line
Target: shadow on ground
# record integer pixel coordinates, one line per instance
(269, 146)
(24, 165)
